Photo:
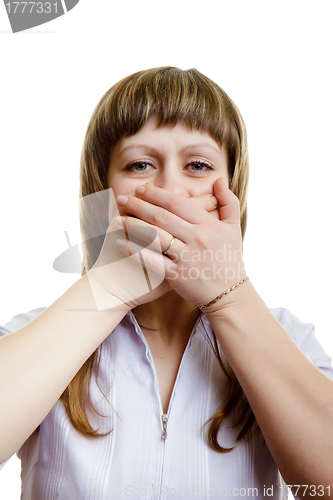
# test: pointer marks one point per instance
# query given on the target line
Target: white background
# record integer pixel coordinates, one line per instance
(274, 59)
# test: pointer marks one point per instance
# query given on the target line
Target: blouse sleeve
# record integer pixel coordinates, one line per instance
(19, 321)
(303, 334)
(15, 323)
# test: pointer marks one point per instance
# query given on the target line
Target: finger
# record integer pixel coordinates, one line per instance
(215, 213)
(155, 237)
(172, 202)
(229, 203)
(208, 202)
(114, 210)
(157, 216)
(147, 257)
(113, 207)
(121, 211)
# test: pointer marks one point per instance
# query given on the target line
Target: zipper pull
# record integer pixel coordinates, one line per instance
(164, 424)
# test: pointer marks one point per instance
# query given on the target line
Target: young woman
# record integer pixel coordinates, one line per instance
(161, 372)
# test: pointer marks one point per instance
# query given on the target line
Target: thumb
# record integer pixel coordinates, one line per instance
(228, 203)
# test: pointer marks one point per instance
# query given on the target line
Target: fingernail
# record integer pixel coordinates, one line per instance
(120, 220)
(121, 243)
(122, 200)
(215, 200)
(140, 189)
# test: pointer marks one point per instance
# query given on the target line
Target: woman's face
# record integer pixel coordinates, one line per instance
(184, 161)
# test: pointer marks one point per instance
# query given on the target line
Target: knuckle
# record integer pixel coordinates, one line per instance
(159, 215)
(175, 202)
(127, 222)
(153, 234)
(134, 203)
(157, 235)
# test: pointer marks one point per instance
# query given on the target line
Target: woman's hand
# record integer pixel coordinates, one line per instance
(206, 256)
(118, 281)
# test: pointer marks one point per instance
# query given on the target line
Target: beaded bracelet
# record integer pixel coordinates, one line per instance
(223, 293)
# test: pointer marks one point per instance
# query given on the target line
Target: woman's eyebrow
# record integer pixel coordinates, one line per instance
(201, 145)
(183, 150)
(137, 146)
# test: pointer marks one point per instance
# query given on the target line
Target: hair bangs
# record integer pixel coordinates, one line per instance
(172, 96)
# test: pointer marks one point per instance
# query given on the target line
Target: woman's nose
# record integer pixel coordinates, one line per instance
(171, 182)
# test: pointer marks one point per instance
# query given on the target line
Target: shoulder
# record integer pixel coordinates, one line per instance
(19, 320)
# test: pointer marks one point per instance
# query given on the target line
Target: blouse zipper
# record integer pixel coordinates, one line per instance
(164, 419)
(164, 424)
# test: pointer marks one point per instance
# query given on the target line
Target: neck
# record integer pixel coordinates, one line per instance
(169, 318)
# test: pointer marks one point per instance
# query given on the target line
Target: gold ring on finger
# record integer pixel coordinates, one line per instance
(171, 243)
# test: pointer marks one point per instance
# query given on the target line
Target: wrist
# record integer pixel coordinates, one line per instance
(93, 297)
(232, 303)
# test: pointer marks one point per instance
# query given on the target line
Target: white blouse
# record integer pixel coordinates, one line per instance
(134, 461)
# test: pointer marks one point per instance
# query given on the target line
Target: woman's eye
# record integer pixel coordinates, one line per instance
(199, 166)
(137, 167)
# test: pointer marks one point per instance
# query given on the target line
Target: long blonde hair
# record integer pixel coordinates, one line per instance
(173, 96)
